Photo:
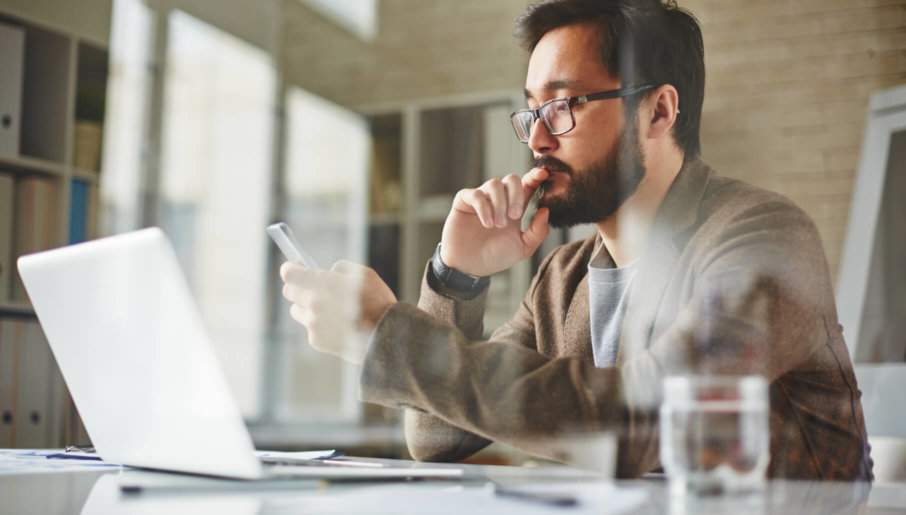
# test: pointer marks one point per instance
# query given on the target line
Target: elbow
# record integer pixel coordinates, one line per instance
(426, 446)
(431, 439)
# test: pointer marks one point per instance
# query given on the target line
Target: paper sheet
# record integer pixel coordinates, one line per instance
(29, 461)
(303, 455)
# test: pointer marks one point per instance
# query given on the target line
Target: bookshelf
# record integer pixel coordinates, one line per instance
(52, 109)
(423, 152)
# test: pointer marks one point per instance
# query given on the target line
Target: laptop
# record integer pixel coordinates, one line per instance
(130, 343)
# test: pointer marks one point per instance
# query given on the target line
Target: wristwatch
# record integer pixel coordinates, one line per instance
(456, 280)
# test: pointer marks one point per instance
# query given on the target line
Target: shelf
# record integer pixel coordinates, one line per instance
(27, 164)
(88, 176)
(16, 308)
(61, 78)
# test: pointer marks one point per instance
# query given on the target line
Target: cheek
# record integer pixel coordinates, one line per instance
(601, 128)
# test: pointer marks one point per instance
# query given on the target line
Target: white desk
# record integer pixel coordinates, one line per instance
(99, 492)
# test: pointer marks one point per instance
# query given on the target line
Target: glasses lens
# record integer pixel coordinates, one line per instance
(557, 117)
(522, 123)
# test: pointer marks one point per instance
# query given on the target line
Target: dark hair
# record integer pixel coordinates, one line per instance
(641, 41)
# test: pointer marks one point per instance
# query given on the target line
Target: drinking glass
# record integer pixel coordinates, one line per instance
(714, 435)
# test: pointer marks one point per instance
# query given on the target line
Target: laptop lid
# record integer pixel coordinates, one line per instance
(129, 341)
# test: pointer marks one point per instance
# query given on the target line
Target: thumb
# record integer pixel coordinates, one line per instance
(536, 232)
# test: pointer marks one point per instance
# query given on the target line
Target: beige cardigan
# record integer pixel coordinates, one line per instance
(733, 280)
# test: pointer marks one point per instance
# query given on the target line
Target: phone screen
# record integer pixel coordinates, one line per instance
(286, 242)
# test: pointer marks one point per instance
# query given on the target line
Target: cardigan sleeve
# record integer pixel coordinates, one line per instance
(428, 437)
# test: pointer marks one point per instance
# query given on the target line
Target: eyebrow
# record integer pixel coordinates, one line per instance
(554, 85)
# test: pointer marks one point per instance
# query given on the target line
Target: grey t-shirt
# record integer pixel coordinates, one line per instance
(608, 295)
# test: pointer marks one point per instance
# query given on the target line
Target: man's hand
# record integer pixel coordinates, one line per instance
(340, 307)
(483, 233)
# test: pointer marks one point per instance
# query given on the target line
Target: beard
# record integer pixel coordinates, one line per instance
(595, 193)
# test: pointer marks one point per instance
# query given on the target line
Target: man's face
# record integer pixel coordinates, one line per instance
(596, 166)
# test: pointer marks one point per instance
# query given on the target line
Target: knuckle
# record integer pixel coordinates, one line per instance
(320, 277)
(465, 193)
(478, 196)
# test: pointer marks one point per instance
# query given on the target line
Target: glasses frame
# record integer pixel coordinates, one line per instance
(572, 102)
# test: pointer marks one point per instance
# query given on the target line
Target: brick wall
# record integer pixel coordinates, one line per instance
(788, 84)
(788, 81)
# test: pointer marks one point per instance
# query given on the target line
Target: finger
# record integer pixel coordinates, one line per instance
(497, 193)
(297, 295)
(289, 292)
(513, 185)
(531, 181)
(346, 267)
(285, 269)
(295, 273)
(301, 315)
(475, 201)
(536, 232)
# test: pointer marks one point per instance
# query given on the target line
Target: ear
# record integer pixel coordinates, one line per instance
(662, 108)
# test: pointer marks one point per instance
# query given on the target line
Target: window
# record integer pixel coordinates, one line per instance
(217, 144)
(324, 190)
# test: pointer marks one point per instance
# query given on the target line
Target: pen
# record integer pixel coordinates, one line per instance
(225, 486)
(554, 499)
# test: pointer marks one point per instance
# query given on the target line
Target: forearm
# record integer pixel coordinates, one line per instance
(502, 391)
(428, 437)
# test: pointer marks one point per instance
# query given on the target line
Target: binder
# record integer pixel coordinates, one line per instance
(78, 212)
(7, 199)
(12, 58)
(10, 334)
(35, 213)
(36, 421)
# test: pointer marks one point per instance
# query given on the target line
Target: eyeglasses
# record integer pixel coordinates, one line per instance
(557, 114)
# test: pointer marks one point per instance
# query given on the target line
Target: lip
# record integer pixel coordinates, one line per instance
(552, 165)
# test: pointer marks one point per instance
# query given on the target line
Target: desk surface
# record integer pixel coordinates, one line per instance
(99, 492)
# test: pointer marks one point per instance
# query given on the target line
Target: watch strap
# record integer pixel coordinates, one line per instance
(454, 279)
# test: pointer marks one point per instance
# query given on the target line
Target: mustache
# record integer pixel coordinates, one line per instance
(552, 164)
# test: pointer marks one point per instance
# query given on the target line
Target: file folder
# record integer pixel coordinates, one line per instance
(12, 55)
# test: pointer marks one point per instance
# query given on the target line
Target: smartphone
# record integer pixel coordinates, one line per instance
(283, 237)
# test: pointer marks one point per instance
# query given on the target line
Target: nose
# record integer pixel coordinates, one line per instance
(541, 141)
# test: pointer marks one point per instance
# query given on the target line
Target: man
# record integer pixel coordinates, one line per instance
(688, 272)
